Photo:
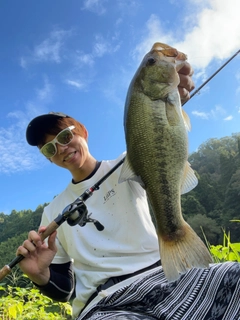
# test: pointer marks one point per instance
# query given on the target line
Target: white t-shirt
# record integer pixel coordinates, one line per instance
(128, 242)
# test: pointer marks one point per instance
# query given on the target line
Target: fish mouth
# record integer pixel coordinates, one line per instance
(168, 51)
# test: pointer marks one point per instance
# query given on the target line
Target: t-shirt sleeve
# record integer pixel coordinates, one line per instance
(60, 286)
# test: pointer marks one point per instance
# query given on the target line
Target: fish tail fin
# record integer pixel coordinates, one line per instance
(183, 253)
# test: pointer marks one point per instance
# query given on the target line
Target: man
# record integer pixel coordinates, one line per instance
(118, 274)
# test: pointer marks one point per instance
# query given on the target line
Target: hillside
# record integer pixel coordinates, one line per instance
(210, 206)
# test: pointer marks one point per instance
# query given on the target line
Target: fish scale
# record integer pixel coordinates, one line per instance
(157, 153)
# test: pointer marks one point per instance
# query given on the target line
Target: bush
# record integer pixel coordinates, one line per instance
(29, 303)
(226, 252)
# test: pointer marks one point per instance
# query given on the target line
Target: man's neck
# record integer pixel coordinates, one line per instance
(86, 171)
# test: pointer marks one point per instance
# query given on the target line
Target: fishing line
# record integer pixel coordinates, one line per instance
(213, 75)
(76, 212)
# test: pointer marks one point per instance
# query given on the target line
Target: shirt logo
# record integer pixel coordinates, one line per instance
(108, 195)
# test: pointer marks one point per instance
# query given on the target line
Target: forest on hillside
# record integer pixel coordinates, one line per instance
(211, 207)
(215, 203)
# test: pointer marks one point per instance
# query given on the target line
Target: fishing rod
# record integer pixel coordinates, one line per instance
(75, 213)
(213, 75)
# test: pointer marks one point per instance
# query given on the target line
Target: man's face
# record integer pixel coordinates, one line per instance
(71, 156)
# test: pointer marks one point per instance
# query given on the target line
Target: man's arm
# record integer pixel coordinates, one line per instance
(61, 284)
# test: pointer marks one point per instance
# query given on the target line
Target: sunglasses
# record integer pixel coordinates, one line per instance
(63, 138)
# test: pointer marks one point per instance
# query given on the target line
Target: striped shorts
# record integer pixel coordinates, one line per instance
(200, 294)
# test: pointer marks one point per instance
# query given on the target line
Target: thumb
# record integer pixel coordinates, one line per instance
(52, 241)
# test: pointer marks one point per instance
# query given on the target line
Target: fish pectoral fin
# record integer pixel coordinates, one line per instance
(189, 180)
(128, 174)
(186, 120)
(175, 111)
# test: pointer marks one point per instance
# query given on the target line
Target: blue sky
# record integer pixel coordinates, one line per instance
(78, 57)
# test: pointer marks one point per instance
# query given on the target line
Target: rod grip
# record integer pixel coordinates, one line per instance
(7, 269)
(4, 272)
(49, 230)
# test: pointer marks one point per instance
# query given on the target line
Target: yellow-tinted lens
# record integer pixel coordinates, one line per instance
(63, 138)
(49, 150)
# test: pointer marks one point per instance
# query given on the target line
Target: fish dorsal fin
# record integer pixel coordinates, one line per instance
(128, 174)
(190, 180)
(186, 120)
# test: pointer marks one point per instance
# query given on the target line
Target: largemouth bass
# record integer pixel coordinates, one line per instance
(157, 156)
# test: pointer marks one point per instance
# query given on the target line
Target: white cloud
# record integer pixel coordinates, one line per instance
(216, 31)
(101, 47)
(128, 6)
(54, 49)
(111, 93)
(76, 84)
(49, 50)
(14, 151)
(119, 21)
(202, 115)
(45, 93)
(84, 59)
(15, 154)
(96, 6)
(154, 33)
(23, 62)
(228, 118)
(211, 31)
(215, 113)
(238, 75)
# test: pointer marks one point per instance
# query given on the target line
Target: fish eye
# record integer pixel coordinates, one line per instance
(151, 61)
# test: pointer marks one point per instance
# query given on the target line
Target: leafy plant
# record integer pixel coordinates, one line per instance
(29, 303)
(228, 251)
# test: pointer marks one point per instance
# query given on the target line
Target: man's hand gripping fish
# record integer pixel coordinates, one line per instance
(157, 152)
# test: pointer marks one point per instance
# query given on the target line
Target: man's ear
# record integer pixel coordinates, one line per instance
(85, 134)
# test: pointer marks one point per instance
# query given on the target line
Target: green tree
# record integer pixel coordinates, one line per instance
(191, 205)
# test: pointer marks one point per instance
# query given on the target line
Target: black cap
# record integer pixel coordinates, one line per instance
(38, 126)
